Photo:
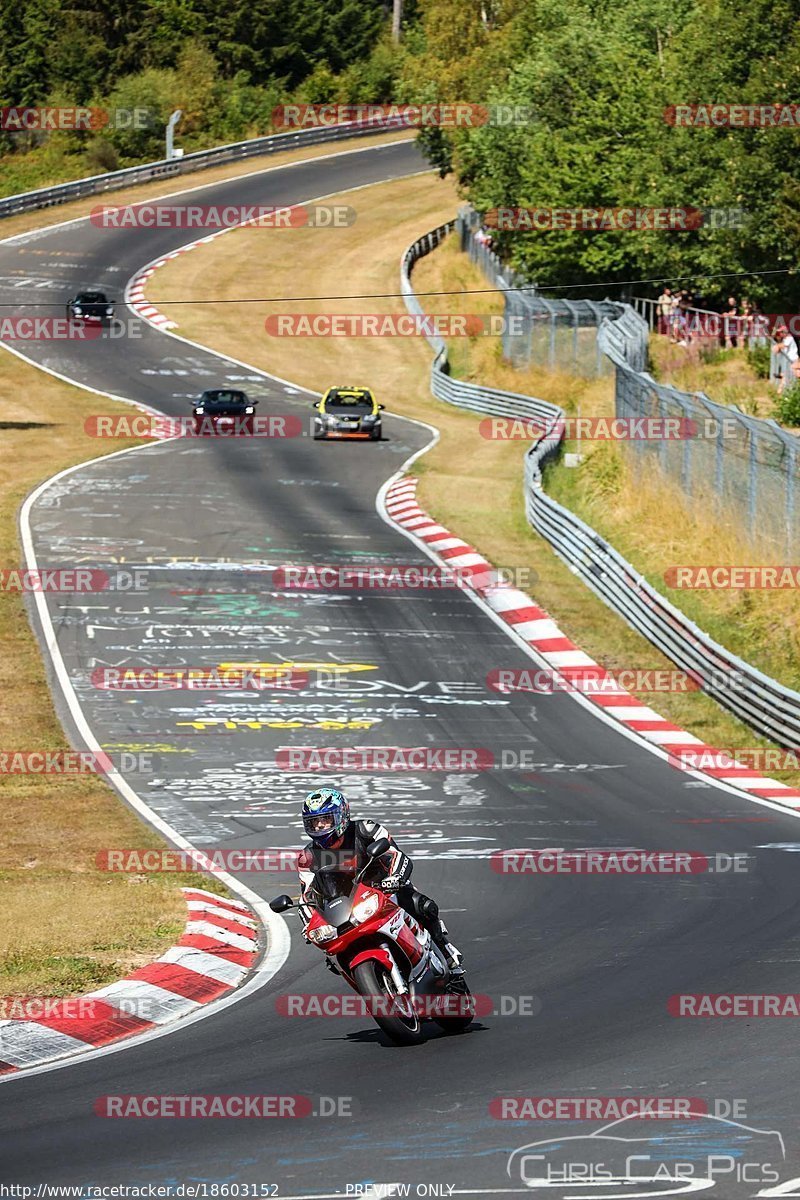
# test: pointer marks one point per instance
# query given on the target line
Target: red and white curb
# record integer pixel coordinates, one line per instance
(215, 954)
(134, 295)
(580, 672)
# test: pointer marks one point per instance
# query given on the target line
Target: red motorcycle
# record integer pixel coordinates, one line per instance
(384, 954)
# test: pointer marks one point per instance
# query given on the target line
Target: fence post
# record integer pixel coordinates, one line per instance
(686, 464)
(752, 483)
(719, 465)
(791, 467)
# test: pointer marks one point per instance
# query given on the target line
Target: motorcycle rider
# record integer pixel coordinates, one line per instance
(338, 847)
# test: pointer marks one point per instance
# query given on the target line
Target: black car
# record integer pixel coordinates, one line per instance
(92, 307)
(224, 410)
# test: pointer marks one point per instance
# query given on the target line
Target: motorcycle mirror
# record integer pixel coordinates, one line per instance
(281, 903)
(376, 849)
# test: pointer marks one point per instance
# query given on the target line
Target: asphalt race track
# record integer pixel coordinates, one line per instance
(590, 960)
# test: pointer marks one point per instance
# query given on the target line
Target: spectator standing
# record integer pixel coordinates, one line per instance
(788, 365)
(730, 322)
(675, 317)
(683, 331)
(664, 310)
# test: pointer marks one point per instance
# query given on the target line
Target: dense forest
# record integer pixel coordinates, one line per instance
(597, 78)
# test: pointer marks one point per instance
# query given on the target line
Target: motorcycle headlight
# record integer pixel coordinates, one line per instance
(320, 934)
(365, 909)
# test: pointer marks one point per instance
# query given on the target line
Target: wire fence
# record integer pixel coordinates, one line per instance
(555, 334)
(767, 706)
(688, 326)
(748, 465)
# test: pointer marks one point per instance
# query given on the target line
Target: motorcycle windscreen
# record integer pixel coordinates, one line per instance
(336, 888)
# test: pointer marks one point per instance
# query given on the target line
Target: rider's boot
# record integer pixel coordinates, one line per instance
(451, 952)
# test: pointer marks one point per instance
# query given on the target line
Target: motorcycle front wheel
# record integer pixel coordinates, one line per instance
(392, 1014)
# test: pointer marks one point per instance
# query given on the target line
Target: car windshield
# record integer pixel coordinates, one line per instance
(91, 298)
(222, 399)
(351, 403)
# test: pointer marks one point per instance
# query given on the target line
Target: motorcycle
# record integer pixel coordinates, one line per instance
(384, 954)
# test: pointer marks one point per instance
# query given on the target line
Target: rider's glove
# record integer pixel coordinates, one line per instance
(390, 883)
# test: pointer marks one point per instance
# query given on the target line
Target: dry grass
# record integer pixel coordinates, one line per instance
(728, 379)
(470, 484)
(628, 508)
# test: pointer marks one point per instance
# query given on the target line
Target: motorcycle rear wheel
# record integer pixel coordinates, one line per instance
(375, 981)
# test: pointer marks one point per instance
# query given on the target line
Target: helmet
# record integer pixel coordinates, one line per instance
(326, 815)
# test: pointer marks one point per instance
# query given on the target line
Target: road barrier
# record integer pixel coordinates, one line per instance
(169, 168)
(762, 703)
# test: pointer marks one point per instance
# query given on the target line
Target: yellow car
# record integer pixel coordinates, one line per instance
(348, 412)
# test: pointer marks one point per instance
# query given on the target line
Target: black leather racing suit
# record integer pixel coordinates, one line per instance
(391, 872)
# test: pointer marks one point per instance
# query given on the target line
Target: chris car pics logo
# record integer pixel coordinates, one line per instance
(628, 1157)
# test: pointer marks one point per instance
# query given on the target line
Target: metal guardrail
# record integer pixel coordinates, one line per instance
(462, 393)
(168, 168)
(552, 333)
(768, 707)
